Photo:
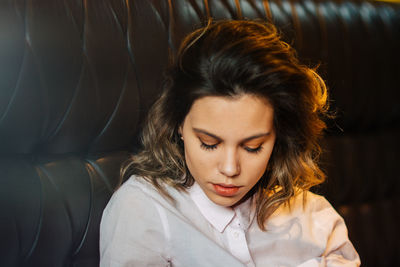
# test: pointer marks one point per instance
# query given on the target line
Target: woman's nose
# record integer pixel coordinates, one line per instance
(229, 163)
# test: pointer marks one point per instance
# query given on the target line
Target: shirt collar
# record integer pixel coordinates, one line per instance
(245, 212)
(219, 216)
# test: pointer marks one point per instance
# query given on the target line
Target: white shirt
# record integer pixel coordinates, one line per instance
(141, 227)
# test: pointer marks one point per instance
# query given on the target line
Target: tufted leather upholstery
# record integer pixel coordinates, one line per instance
(77, 77)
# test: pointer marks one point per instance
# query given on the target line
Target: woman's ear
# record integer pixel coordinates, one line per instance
(180, 131)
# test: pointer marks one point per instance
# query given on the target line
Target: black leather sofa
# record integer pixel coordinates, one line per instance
(77, 77)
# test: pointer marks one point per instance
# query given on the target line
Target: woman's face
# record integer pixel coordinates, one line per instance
(228, 142)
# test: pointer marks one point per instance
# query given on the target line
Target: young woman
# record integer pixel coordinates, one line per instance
(229, 153)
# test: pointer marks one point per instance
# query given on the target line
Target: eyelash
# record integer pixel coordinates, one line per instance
(248, 149)
(253, 150)
(208, 147)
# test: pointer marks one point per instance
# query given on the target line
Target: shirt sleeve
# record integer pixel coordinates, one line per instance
(131, 232)
(339, 250)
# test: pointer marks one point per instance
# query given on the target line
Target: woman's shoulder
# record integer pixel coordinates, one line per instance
(316, 209)
(315, 202)
(304, 204)
(137, 189)
(139, 193)
(129, 197)
(310, 211)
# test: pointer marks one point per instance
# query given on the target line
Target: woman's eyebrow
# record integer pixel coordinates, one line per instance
(207, 133)
(255, 136)
(219, 138)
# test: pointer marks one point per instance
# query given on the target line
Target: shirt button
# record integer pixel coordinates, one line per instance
(236, 234)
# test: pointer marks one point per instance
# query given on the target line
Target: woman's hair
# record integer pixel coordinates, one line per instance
(230, 58)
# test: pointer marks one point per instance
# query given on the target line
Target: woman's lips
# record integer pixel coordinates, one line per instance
(225, 190)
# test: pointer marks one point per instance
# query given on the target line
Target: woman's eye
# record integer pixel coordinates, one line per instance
(253, 150)
(207, 146)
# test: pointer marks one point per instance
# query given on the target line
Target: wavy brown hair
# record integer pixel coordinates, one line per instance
(229, 58)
